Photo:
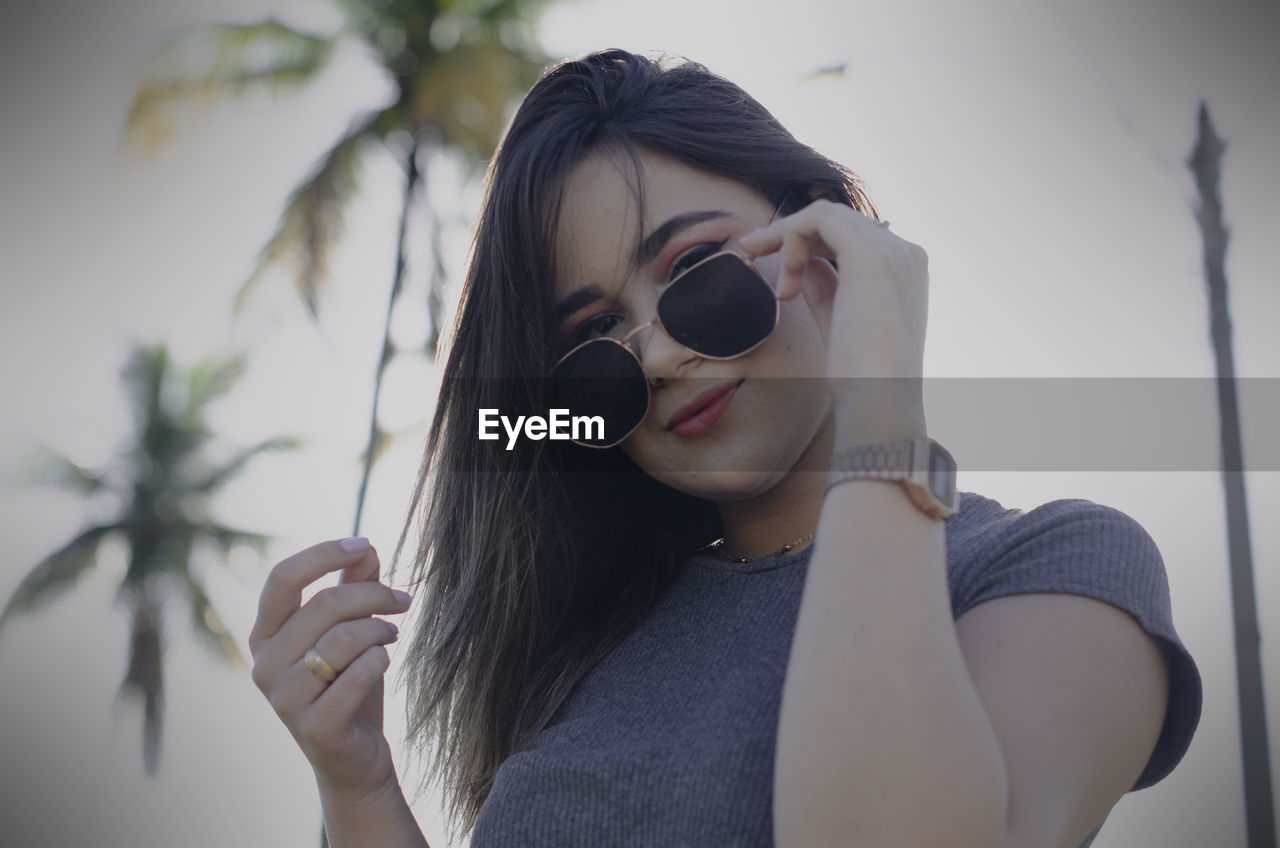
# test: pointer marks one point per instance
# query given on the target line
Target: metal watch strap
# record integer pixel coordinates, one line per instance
(905, 461)
(879, 461)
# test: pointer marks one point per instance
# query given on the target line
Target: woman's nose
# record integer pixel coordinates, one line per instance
(662, 357)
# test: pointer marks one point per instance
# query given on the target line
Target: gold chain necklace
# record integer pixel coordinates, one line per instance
(718, 547)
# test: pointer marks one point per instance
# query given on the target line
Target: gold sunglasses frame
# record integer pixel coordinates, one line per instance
(626, 344)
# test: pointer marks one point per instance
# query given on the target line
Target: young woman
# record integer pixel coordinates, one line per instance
(751, 610)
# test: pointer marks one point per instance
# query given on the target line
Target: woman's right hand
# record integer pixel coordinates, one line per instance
(338, 725)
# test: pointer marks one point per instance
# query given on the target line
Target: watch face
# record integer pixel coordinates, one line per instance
(942, 477)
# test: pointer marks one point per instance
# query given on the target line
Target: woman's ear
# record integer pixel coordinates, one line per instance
(817, 192)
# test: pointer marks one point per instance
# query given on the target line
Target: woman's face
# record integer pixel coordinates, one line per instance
(779, 400)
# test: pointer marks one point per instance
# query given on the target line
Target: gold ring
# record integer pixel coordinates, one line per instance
(317, 666)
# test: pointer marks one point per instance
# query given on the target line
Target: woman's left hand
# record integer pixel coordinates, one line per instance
(873, 309)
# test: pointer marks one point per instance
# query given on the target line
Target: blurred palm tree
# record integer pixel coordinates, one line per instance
(164, 482)
(454, 65)
(1205, 163)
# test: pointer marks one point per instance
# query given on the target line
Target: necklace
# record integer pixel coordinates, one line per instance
(718, 547)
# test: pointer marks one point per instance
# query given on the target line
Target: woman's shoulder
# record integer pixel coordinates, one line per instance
(1084, 548)
(1070, 545)
(982, 518)
(1071, 529)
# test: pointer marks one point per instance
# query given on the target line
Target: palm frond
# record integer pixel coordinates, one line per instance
(208, 625)
(50, 468)
(385, 440)
(212, 378)
(215, 479)
(57, 572)
(232, 59)
(227, 538)
(166, 439)
(435, 292)
(464, 92)
(381, 443)
(312, 221)
(209, 380)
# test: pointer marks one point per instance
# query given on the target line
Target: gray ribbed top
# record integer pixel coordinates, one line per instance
(669, 741)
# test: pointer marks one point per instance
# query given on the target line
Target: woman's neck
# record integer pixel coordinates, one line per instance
(788, 510)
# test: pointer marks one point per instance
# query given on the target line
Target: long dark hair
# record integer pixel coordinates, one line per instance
(533, 563)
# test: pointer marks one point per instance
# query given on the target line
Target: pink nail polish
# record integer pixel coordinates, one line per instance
(402, 597)
(354, 544)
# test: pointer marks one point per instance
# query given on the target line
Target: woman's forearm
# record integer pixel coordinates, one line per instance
(383, 820)
(882, 737)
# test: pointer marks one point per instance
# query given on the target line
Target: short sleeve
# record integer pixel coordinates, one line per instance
(1082, 548)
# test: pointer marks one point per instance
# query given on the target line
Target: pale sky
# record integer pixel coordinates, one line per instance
(1035, 149)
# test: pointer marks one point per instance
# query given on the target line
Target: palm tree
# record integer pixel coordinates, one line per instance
(164, 483)
(1205, 163)
(454, 66)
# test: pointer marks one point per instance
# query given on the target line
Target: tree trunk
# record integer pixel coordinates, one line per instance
(412, 177)
(1260, 820)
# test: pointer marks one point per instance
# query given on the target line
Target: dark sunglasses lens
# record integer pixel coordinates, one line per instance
(719, 308)
(601, 379)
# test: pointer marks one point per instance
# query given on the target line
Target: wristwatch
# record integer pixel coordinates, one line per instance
(924, 468)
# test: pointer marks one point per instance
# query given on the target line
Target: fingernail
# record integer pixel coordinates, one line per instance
(395, 631)
(355, 543)
(402, 597)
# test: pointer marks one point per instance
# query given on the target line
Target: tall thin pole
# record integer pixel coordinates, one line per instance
(1205, 164)
(411, 178)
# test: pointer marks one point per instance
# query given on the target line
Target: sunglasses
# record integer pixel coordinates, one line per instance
(719, 308)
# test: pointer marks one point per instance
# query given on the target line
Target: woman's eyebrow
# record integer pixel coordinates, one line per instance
(571, 303)
(646, 251)
(652, 245)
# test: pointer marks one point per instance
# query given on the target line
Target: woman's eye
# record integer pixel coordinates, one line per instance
(692, 257)
(596, 327)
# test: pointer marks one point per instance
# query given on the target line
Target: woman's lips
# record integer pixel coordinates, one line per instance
(705, 410)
